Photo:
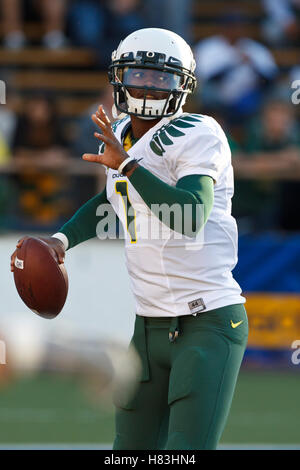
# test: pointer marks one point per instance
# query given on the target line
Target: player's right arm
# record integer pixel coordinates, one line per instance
(81, 227)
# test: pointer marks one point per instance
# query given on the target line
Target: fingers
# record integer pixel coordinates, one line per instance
(20, 242)
(60, 251)
(13, 256)
(97, 158)
(105, 127)
(101, 120)
(58, 248)
(92, 158)
(61, 257)
(102, 114)
(58, 254)
(102, 137)
(12, 261)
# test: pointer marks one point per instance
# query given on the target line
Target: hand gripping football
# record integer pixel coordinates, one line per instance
(41, 282)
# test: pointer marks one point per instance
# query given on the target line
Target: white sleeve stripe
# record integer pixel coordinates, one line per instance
(200, 171)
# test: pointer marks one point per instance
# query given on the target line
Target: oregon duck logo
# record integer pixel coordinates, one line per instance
(167, 133)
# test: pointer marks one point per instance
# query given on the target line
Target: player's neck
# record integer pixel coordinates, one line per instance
(141, 126)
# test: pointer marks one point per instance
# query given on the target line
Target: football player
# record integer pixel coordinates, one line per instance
(191, 326)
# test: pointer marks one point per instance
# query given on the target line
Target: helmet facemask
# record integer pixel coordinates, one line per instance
(149, 87)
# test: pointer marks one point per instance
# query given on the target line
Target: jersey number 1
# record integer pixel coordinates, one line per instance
(122, 189)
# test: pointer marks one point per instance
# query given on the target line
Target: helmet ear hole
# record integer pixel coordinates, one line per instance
(192, 85)
(171, 106)
(172, 103)
(122, 96)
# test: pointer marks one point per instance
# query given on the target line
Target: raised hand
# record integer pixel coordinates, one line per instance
(114, 154)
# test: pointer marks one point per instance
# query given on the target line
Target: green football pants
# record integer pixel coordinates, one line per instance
(185, 392)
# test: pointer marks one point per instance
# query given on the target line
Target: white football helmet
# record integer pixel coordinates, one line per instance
(152, 72)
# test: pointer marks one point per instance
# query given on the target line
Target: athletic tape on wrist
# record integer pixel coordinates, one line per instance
(123, 164)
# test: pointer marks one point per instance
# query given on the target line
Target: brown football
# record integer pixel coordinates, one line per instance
(41, 282)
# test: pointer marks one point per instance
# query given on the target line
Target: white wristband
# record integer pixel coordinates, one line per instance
(62, 237)
(123, 164)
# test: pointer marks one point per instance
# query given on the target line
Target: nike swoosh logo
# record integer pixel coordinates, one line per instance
(235, 325)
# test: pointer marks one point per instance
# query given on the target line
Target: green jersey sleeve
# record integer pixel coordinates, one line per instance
(197, 191)
(83, 225)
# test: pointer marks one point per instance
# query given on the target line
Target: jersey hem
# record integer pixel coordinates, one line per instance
(212, 306)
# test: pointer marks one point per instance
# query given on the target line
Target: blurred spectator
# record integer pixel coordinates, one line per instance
(175, 15)
(84, 141)
(294, 85)
(87, 23)
(281, 26)
(7, 198)
(53, 16)
(273, 152)
(277, 135)
(8, 118)
(7, 123)
(4, 151)
(85, 128)
(40, 153)
(234, 71)
(295, 73)
(101, 25)
(6, 188)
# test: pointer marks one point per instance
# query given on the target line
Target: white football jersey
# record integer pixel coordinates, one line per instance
(174, 275)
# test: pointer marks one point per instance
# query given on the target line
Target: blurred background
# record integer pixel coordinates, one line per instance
(56, 385)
